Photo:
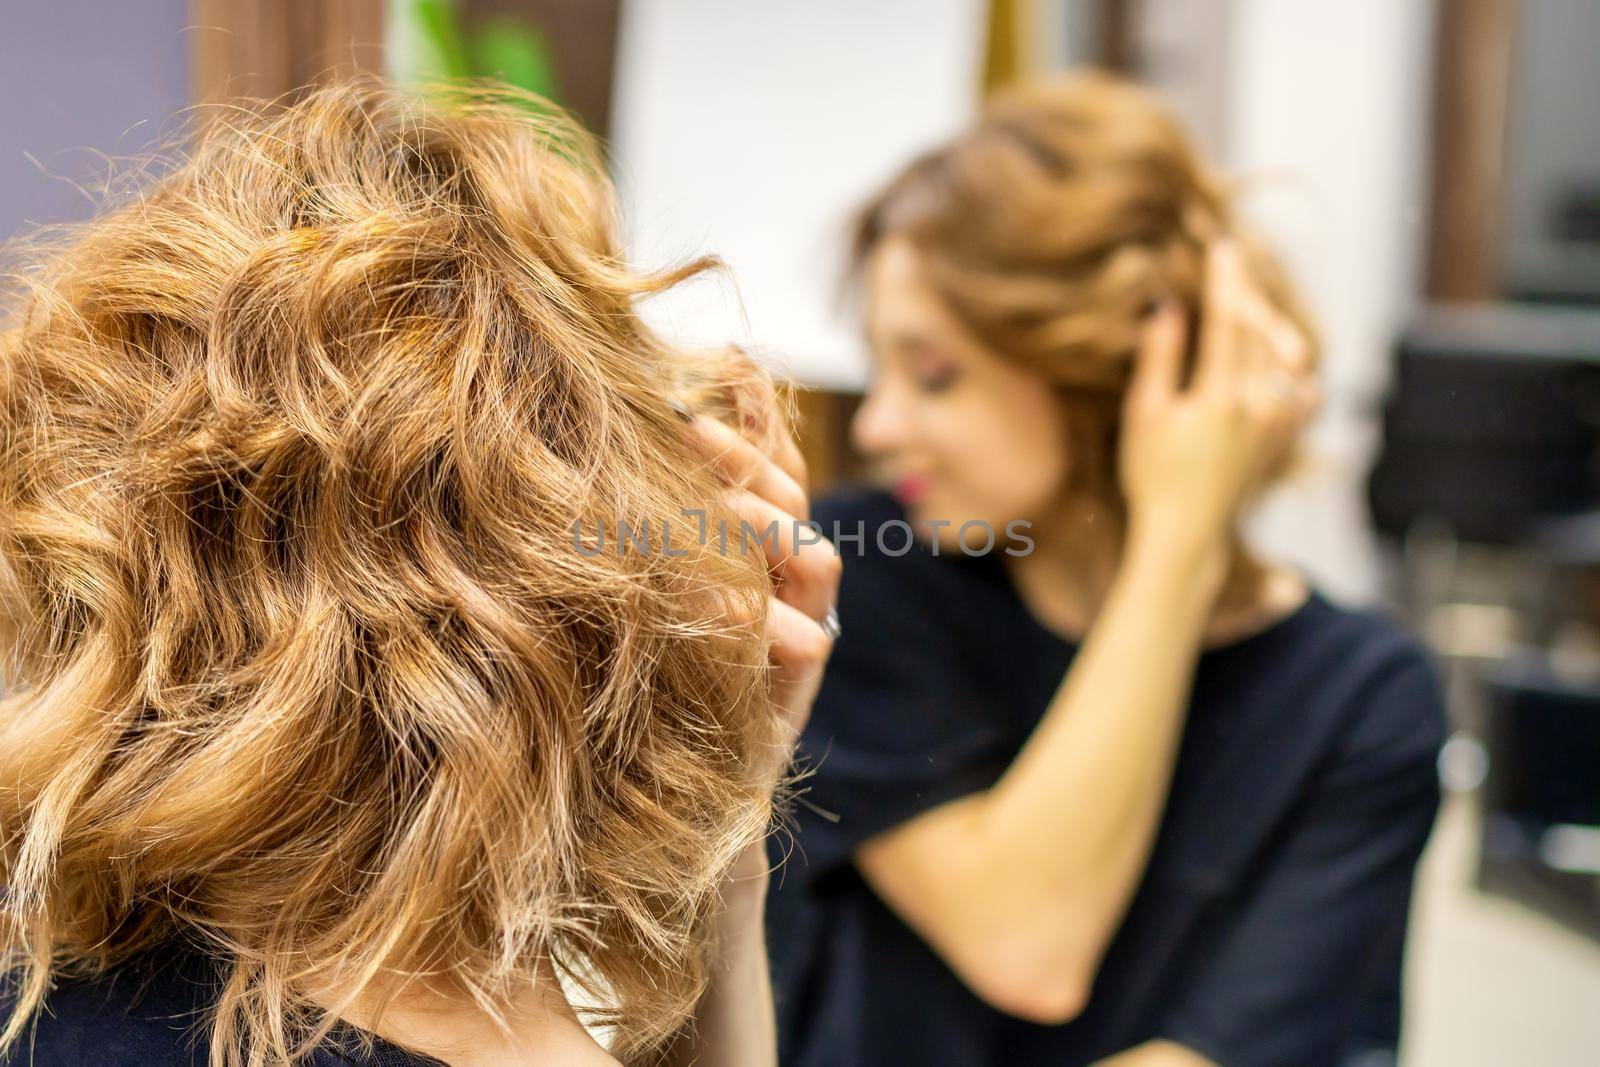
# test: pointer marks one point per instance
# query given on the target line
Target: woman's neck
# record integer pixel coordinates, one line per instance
(540, 1025)
(1078, 549)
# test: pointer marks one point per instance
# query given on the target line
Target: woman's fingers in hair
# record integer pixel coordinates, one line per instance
(789, 460)
(800, 646)
(1248, 347)
(1223, 295)
(743, 464)
(1280, 343)
(772, 508)
(1158, 369)
(1278, 375)
(768, 497)
(804, 562)
(798, 649)
(739, 612)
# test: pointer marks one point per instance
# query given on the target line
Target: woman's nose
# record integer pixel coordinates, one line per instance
(879, 425)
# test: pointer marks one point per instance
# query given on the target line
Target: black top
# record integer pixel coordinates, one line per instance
(155, 1012)
(1268, 927)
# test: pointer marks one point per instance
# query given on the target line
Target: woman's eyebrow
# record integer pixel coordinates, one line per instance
(912, 342)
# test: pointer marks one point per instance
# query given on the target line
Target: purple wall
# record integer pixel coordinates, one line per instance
(80, 77)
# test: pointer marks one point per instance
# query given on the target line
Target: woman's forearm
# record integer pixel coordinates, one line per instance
(1157, 1054)
(1093, 777)
(1020, 887)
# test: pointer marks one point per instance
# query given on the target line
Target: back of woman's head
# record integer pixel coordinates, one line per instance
(1051, 228)
(307, 665)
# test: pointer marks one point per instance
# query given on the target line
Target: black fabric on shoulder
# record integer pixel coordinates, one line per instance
(1322, 921)
(155, 1011)
(150, 1012)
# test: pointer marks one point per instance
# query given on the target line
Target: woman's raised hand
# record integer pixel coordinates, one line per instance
(1190, 457)
(772, 488)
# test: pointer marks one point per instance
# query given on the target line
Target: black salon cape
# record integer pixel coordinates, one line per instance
(154, 1011)
(1268, 927)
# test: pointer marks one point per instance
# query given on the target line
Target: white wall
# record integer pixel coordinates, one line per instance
(1327, 112)
(753, 129)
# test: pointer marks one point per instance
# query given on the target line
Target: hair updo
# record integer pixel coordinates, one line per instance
(1052, 227)
(304, 664)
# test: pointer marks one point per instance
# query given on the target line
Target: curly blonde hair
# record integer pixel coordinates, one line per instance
(1054, 224)
(307, 664)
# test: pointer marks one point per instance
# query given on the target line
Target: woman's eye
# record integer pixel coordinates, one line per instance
(936, 380)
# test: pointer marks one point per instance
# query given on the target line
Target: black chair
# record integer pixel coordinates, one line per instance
(1492, 421)
(1541, 834)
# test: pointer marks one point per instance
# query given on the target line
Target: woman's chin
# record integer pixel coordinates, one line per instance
(934, 522)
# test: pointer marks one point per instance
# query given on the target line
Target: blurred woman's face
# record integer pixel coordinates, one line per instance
(960, 433)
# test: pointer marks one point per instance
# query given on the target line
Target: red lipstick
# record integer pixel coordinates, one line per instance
(912, 488)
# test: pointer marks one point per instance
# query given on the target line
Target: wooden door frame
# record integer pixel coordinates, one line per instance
(266, 48)
(1474, 41)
